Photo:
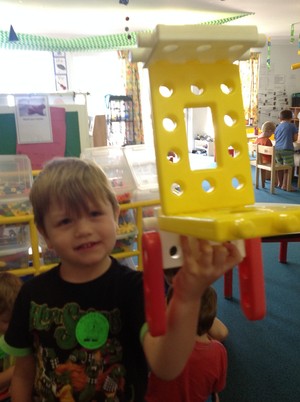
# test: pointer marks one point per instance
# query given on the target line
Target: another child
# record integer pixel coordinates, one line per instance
(218, 329)
(267, 129)
(205, 371)
(9, 288)
(78, 330)
(286, 134)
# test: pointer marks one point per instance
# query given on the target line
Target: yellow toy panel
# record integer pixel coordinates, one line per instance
(192, 67)
(248, 222)
(192, 85)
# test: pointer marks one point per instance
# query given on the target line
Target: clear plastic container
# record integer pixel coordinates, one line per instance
(142, 162)
(14, 258)
(14, 235)
(15, 177)
(15, 184)
(113, 162)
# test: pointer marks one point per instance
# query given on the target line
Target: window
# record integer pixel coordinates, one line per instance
(26, 71)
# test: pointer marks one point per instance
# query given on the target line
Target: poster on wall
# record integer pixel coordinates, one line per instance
(33, 122)
(60, 71)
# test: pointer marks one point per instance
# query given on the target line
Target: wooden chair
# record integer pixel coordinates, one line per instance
(252, 150)
(272, 167)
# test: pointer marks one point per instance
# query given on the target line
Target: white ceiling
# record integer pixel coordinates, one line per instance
(76, 18)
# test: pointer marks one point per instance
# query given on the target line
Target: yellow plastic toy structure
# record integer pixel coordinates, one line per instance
(295, 66)
(192, 67)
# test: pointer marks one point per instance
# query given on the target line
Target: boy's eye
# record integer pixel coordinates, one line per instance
(95, 213)
(64, 221)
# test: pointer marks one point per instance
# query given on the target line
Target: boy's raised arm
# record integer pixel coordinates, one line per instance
(203, 264)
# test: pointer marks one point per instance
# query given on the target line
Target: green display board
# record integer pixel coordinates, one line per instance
(8, 134)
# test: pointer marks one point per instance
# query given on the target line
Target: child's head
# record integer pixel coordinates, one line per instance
(71, 183)
(286, 115)
(208, 310)
(9, 288)
(268, 128)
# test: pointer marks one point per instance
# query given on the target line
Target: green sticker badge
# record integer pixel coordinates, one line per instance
(92, 330)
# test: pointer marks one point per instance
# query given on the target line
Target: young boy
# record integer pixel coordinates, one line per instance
(205, 371)
(78, 330)
(286, 133)
(9, 288)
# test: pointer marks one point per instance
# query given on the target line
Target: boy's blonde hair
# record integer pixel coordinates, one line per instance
(10, 285)
(71, 182)
(268, 126)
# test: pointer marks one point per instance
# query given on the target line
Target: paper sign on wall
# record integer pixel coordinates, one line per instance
(33, 120)
(40, 152)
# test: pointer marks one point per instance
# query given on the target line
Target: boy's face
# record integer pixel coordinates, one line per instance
(81, 240)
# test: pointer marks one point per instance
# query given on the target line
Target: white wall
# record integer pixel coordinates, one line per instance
(97, 73)
(279, 82)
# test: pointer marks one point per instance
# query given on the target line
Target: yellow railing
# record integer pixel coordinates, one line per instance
(37, 267)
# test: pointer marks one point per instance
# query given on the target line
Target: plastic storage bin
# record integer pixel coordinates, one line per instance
(15, 184)
(14, 258)
(142, 162)
(113, 162)
(13, 235)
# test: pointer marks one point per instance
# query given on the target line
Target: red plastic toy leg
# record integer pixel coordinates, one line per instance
(155, 304)
(283, 251)
(228, 285)
(251, 280)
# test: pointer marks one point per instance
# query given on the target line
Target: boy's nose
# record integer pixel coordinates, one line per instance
(82, 227)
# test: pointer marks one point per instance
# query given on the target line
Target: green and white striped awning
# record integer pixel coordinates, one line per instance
(91, 43)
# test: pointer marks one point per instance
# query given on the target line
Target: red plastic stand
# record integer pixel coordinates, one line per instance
(251, 280)
(155, 304)
(228, 277)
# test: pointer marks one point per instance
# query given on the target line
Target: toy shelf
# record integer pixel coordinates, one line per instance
(37, 267)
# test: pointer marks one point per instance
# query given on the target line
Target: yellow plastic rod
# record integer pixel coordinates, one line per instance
(295, 66)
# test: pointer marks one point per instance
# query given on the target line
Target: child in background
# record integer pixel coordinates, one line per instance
(267, 129)
(286, 133)
(9, 288)
(204, 374)
(218, 330)
(78, 330)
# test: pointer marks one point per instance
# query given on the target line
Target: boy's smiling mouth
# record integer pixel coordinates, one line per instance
(86, 246)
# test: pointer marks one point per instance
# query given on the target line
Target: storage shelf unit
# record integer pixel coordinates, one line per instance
(36, 267)
(120, 120)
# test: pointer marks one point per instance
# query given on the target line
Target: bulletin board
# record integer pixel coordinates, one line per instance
(70, 146)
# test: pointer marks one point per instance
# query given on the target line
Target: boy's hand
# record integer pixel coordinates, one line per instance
(203, 264)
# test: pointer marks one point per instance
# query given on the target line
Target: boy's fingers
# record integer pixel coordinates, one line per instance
(222, 256)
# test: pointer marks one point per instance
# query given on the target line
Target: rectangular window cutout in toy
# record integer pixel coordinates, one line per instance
(200, 137)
